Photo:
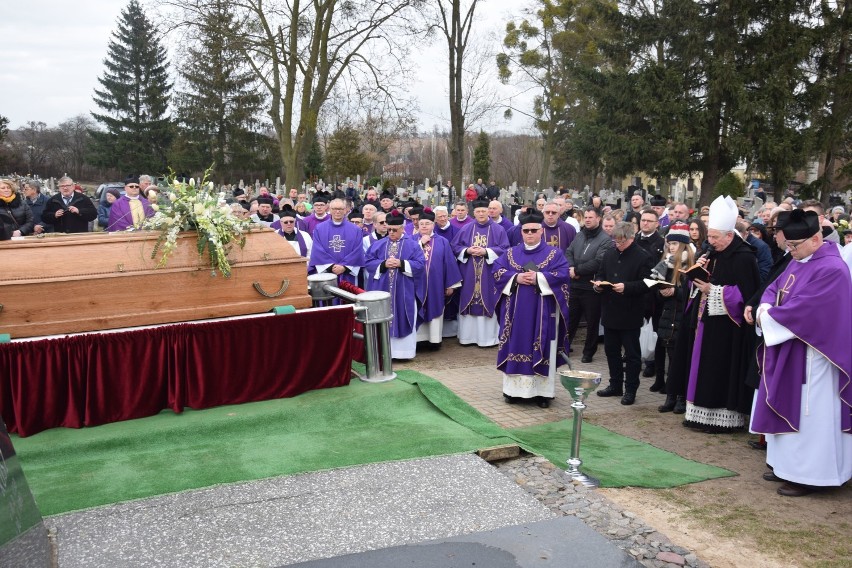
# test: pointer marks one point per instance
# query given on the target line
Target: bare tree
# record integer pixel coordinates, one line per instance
(301, 50)
(454, 19)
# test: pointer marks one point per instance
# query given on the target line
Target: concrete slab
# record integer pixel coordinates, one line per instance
(292, 519)
(562, 542)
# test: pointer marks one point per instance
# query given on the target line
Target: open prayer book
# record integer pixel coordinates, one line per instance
(697, 272)
(650, 283)
(604, 283)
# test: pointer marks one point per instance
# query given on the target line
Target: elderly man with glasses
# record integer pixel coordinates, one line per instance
(300, 240)
(338, 246)
(533, 282)
(130, 211)
(69, 211)
(395, 265)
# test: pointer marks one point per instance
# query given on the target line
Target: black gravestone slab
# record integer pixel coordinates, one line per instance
(23, 537)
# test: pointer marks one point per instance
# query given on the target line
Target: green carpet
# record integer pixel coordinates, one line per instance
(415, 416)
(616, 460)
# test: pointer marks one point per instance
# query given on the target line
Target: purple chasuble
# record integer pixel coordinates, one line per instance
(402, 288)
(526, 316)
(478, 295)
(447, 232)
(801, 289)
(338, 244)
(441, 272)
(459, 224)
(311, 223)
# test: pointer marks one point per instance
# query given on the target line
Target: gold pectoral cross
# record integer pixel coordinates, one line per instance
(786, 289)
(554, 241)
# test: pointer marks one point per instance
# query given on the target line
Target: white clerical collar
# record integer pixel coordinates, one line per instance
(318, 217)
(461, 219)
(531, 247)
(644, 235)
(444, 226)
(335, 223)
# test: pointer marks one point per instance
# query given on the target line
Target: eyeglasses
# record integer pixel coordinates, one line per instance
(338, 208)
(791, 245)
(67, 185)
(393, 229)
(551, 212)
(530, 231)
(621, 241)
(132, 186)
(288, 222)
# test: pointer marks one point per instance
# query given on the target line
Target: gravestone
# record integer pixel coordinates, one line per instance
(23, 536)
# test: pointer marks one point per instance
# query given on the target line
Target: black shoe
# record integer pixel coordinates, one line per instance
(650, 370)
(586, 359)
(680, 405)
(659, 387)
(611, 391)
(757, 445)
(669, 405)
(770, 476)
(509, 399)
(543, 402)
(628, 398)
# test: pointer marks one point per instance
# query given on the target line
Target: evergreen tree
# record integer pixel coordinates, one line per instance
(343, 157)
(218, 108)
(134, 98)
(482, 158)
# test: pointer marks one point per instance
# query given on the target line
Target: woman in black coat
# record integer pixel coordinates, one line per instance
(679, 256)
(16, 217)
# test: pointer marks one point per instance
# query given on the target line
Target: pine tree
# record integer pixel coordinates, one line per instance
(482, 158)
(218, 108)
(343, 157)
(134, 98)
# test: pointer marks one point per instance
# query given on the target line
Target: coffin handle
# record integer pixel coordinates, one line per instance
(284, 285)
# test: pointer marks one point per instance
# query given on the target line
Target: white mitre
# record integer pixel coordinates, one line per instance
(723, 214)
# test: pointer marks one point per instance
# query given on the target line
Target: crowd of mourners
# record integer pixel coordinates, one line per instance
(717, 305)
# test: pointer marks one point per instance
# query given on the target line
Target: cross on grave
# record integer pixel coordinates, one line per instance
(336, 244)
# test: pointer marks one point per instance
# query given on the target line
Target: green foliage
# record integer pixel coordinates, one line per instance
(482, 158)
(217, 110)
(314, 162)
(729, 184)
(343, 156)
(134, 98)
(4, 128)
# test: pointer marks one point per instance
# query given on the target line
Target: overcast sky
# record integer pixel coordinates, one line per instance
(52, 53)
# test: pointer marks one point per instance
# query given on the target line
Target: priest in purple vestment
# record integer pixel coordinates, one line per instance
(804, 401)
(299, 240)
(555, 232)
(318, 215)
(440, 278)
(395, 265)
(476, 246)
(533, 281)
(338, 246)
(460, 217)
(495, 213)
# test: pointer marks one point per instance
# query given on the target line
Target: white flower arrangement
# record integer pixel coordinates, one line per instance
(199, 208)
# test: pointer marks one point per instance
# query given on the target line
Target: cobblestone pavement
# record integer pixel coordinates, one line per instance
(470, 372)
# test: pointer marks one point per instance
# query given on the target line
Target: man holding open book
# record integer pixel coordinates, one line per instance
(621, 284)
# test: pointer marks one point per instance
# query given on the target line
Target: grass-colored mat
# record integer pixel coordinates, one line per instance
(415, 416)
(361, 423)
(616, 460)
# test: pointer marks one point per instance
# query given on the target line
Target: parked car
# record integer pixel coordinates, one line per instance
(100, 194)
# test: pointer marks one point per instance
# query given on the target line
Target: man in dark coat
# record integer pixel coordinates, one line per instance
(620, 282)
(69, 211)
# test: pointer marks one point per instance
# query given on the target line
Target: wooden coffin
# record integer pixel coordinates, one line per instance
(75, 283)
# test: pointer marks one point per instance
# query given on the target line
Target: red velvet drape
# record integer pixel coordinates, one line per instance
(93, 379)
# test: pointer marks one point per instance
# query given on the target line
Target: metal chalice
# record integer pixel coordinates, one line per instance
(579, 384)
